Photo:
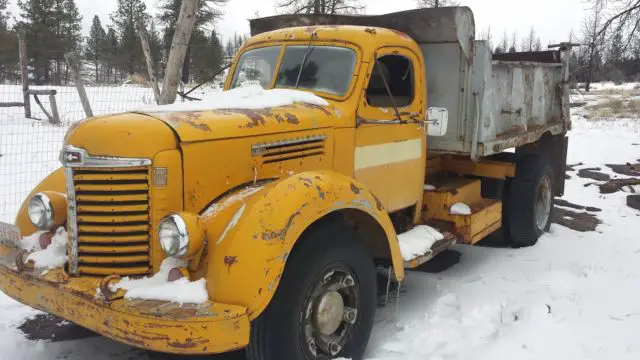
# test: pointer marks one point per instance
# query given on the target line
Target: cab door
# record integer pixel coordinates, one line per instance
(390, 139)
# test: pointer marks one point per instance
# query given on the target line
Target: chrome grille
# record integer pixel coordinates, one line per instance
(111, 221)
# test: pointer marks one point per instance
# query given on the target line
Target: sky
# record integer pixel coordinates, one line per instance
(552, 19)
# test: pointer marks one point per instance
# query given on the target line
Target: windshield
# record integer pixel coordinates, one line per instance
(256, 67)
(327, 69)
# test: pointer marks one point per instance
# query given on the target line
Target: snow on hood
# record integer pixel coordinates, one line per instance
(250, 97)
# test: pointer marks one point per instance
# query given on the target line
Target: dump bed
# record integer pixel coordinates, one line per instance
(495, 102)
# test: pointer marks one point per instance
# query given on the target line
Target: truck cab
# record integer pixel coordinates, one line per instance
(340, 148)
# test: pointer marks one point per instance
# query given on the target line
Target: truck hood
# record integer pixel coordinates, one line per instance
(202, 125)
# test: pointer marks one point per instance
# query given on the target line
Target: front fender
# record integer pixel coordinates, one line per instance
(249, 248)
(54, 182)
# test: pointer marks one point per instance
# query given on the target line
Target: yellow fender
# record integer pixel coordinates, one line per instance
(252, 232)
(54, 182)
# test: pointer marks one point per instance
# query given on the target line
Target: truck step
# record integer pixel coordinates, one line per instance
(439, 246)
(485, 218)
(451, 191)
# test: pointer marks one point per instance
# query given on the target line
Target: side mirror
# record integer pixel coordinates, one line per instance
(437, 120)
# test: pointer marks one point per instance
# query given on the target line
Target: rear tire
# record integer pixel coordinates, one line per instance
(306, 312)
(530, 200)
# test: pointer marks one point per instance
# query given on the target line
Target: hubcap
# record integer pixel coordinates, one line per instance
(543, 203)
(330, 313)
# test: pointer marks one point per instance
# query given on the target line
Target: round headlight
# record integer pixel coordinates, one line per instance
(41, 212)
(173, 236)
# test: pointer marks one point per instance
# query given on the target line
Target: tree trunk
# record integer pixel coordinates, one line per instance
(186, 67)
(175, 62)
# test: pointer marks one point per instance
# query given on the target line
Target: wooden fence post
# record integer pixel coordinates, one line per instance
(181, 38)
(73, 60)
(146, 48)
(24, 72)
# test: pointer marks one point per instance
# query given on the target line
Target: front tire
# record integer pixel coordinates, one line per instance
(531, 195)
(325, 303)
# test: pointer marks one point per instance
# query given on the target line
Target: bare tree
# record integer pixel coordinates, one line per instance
(513, 43)
(487, 36)
(592, 38)
(321, 6)
(532, 42)
(503, 45)
(437, 3)
(625, 17)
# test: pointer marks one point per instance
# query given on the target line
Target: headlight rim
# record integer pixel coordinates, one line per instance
(49, 211)
(182, 232)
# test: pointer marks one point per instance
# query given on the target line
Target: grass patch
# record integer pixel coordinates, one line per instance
(615, 108)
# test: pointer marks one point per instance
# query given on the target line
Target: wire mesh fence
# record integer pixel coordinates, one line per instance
(29, 148)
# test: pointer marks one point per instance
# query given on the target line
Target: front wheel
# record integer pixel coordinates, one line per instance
(325, 303)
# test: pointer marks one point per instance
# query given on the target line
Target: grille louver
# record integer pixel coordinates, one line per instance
(112, 211)
(290, 149)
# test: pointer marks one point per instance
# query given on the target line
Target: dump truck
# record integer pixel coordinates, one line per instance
(279, 200)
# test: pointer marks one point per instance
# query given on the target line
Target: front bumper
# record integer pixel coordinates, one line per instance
(153, 325)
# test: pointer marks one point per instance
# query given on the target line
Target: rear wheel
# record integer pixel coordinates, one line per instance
(325, 303)
(530, 200)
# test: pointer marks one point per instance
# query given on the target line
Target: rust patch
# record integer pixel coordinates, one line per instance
(282, 233)
(188, 344)
(189, 118)
(229, 261)
(306, 182)
(355, 189)
(317, 107)
(320, 192)
(292, 119)
(378, 203)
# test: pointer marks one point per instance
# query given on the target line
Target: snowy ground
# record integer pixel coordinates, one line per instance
(573, 296)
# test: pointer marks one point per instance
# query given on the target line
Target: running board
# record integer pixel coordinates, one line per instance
(437, 248)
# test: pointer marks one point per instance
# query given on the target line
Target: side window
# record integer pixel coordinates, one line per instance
(397, 70)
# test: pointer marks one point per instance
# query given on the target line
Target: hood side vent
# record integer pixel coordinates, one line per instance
(290, 149)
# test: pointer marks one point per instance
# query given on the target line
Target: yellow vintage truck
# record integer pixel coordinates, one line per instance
(283, 196)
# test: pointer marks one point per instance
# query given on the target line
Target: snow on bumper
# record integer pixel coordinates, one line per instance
(154, 325)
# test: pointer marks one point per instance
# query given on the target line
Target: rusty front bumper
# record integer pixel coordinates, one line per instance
(154, 325)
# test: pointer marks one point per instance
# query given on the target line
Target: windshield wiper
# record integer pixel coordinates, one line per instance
(307, 52)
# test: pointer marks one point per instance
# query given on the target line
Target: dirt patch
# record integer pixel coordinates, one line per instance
(53, 328)
(578, 221)
(565, 203)
(594, 174)
(633, 201)
(572, 166)
(626, 169)
(617, 184)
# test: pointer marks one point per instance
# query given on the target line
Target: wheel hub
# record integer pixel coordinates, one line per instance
(543, 203)
(329, 312)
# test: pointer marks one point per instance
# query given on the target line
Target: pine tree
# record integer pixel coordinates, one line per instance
(96, 45)
(4, 16)
(208, 12)
(52, 28)
(111, 51)
(615, 59)
(8, 47)
(125, 18)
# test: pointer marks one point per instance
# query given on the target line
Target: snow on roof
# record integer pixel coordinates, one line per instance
(249, 97)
